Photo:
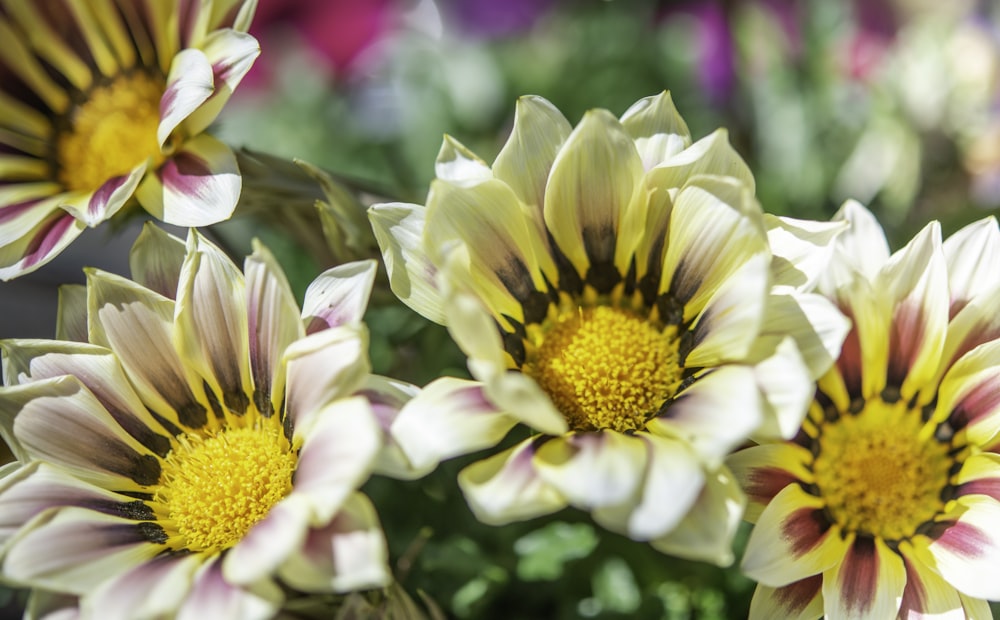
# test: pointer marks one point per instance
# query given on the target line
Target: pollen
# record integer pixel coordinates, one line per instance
(215, 488)
(110, 132)
(606, 367)
(876, 476)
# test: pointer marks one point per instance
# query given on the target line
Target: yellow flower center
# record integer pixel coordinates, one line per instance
(111, 132)
(606, 367)
(876, 476)
(217, 487)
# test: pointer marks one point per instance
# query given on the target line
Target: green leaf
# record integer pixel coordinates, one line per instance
(543, 553)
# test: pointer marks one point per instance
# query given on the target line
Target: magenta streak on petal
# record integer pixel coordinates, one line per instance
(472, 400)
(46, 239)
(763, 483)
(905, 339)
(849, 362)
(188, 17)
(9, 212)
(980, 401)
(99, 201)
(185, 174)
(804, 529)
(914, 594)
(795, 597)
(984, 331)
(963, 539)
(859, 575)
(167, 100)
(983, 486)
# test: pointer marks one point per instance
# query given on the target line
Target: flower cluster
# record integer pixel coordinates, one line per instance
(643, 343)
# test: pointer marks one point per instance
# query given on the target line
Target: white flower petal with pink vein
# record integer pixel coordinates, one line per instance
(927, 594)
(350, 553)
(399, 229)
(210, 320)
(965, 551)
(151, 590)
(593, 469)
(706, 532)
(672, 482)
(25, 207)
(40, 245)
(62, 415)
(763, 471)
(715, 414)
(230, 54)
(156, 259)
(969, 394)
(105, 201)
(867, 583)
(338, 452)
(801, 600)
(199, 185)
(273, 323)
(506, 487)
(324, 367)
(266, 545)
(338, 295)
(211, 596)
(792, 540)
(77, 550)
(189, 84)
(972, 255)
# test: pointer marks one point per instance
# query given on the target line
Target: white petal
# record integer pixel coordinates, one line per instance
(787, 388)
(152, 589)
(802, 249)
(972, 254)
(268, 543)
(657, 128)
(324, 367)
(338, 295)
(189, 84)
(593, 469)
(457, 164)
(868, 583)
(213, 597)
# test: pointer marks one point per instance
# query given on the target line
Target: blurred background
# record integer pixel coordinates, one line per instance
(895, 103)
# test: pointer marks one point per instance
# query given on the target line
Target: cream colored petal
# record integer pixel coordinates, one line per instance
(972, 254)
(211, 596)
(976, 323)
(801, 249)
(71, 316)
(712, 155)
(969, 396)
(21, 60)
(710, 238)
(273, 324)
(457, 164)
(928, 595)
(150, 590)
(156, 260)
(104, 201)
(189, 84)
(230, 54)
(593, 469)
(863, 244)
(594, 182)
(792, 540)
(657, 128)
(506, 487)
(868, 583)
(266, 545)
(800, 600)
(399, 230)
(787, 388)
(706, 533)
(338, 295)
(763, 471)
(727, 328)
(672, 482)
(324, 367)
(98, 45)
(525, 160)
(49, 45)
(715, 414)
(210, 318)
(448, 418)
(813, 321)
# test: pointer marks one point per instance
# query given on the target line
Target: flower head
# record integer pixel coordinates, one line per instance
(194, 442)
(106, 102)
(885, 504)
(613, 288)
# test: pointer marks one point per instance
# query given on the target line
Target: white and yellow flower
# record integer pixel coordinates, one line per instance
(613, 288)
(887, 502)
(193, 443)
(104, 102)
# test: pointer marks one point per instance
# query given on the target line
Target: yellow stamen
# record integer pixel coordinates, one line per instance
(876, 477)
(606, 367)
(111, 132)
(217, 487)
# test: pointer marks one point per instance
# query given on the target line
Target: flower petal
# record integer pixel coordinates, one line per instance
(189, 84)
(715, 414)
(212, 596)
(706, 533)
(593, 469)
(969, 395)
(71, 316)
(506, 487)
(868, 583)
(787, 389)
(448, 418)
(658, 130)
(156, 260)
(457, 164)
(267, 544)
(338, 295)
(39, 246)
(800, 600)
(350, 553)
(324, 367)
(672, 483)
(230, 54)
(151, 590)
(801, 249)
(105, 201)
(818, 327)
(525, 160)
(712, 155)
(199, 185)
(763, 471)
(927, 595)
(399, 230)
(863, 244)
(793, 540)
(971, 254)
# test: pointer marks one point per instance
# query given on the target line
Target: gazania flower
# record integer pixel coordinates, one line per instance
(103, 102)
(886, 503)
(613, 288)
(194, 444)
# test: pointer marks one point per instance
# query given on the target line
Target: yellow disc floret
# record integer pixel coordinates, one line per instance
(111, 132)
(606, 367)
(876, 476)
(216, 488)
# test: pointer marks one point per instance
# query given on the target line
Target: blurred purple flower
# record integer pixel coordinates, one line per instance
(492, 19)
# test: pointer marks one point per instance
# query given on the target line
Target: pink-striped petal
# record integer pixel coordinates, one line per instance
(189, 84)
(965, 549)
(105, 201)
(338, 295)
(151, 590)
(972, 254)
(230, 54)
(969, 395)
(43, 243)
(211, 596)
(199, 185)
(799, 600)
(928, 595)
(868, 583)
(324, 367)
(764, 471)
(593, 469)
